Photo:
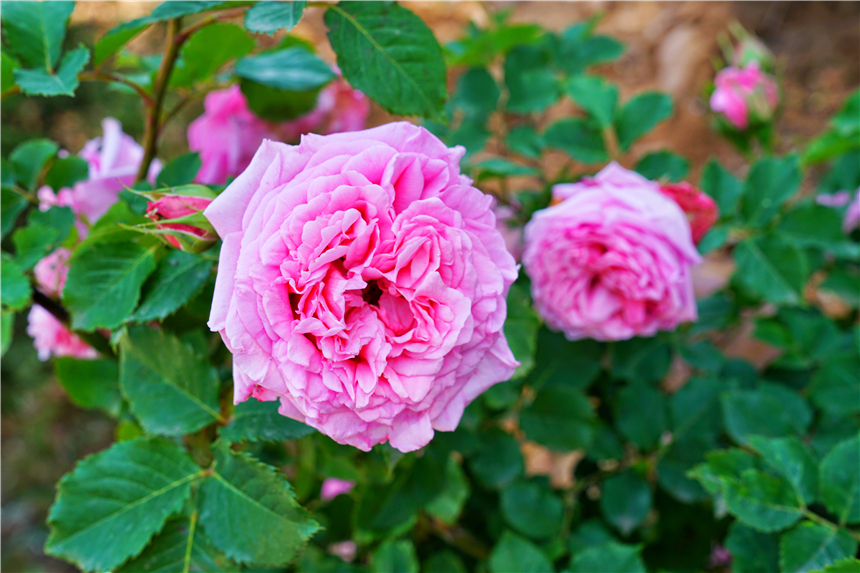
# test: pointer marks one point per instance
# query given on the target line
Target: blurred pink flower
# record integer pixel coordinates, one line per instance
(51, 272)
(51, 337)
(339, 108)
(346, 550)
(333, 487)
(745, 95)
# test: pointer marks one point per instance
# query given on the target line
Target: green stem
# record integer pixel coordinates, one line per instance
(827, 523)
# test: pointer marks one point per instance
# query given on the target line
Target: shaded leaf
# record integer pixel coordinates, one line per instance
(578, 139)
(770, 182)
(560, 418)
(177, 279)
(532, 510)
(395, 556)
(625, 501)
(90, 383)
(514, 554)
(256, 420)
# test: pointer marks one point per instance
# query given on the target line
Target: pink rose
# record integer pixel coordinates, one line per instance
(339, 108)
(51, 272)
(745, 95)
(113, 162)
(51, 337)
(333, 487)
(612, 259)
(700, 208)
(198, 235)
(840, 199)
(362, 282)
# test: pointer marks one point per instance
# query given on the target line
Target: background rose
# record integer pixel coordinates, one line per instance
(612, 259)
(339, 108)
(745, 95)
(333, 487)
(51, 271)
(700, 208)
(362, 281)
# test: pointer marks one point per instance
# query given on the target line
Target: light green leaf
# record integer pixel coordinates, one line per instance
(641, 415)
(113, 40)
(663, 165)
(811, 546)
(404, 77)
(269, 17)
(35, 31)
(180, 546)
(625, 501)
(448, 505)
(608, 557)
(722, 186)
(7, 71)
(178, 278)
(560, 418)
(29, 158)
(839, 481)
(793, 461)
(772, 268)
(255, 420)
(532, 510)
(498, 461)
(113, 502)
(514, 554)
(90, 383)
(595, 95)
(770, 411)
(104, 283)
(639, 116)
(578, 139)
(15, 293)
(763, 502)
(210, 48)
(752, 551)
(847, 565)
(770, 182)
(170, 389)
(64, 82)
(266, 525)
(500, 167)
(395, 556)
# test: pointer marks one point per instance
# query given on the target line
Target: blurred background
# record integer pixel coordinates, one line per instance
(670, 47)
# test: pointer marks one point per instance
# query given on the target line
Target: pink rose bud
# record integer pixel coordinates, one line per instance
(612, 260)
(51, 337)
(745, 96)
(333, 487)
(51, 272)
(190, 230)
(362, 281)
(700, 208)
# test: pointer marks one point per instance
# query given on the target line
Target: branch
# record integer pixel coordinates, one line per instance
(14, 90)
(108, 77)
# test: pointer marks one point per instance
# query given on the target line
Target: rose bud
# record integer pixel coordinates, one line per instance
(700, 208)
(188, 229)
(745, 96)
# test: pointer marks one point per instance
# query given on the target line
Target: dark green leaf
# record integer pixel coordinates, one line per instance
(514, 554)
(66, 171)
(525, 141)
(180, 171)
(770, 411)
(608, 557)
(472, 134)
(595, 95)
(625, 501)
(641, 415)
(834, 386)
(174, 549)
(385, 507)
(403, 77)
(29, 158)
(292, 69)
(269, 17)
(639, 116)
(793, 461)
(498, 461)
(769, 183)
(448, 505)
(560, 418)
(113, 502)
(178, 278)
(64, 82)
(521, 328)
(722, 467)
(15, 293)
(578, 139)
(591, 533)
(641, 360)
(444, 561)
(210, 48)
(532, 510)
(266, 525)
(695, 409)
(276, 104)
(752, 551)
(532, 85)
(840, 481)
(845, 282)
(395, 556)
(675, 465)
(772, 268)
(255, 420)
(90, 383)
(104, 283)
(44, 233)
(578, 49)
(763, 502)
(813, 225)
(500, 167)
(663, 165)
(170, 389)
(35, 31)
(477, 92)
(559, 361)
(11, 205)
(722, 186)
(811, 547)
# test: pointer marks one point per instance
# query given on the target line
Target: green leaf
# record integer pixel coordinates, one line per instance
(625, 501)
(532, 510)
(266, 526)
(578, 49)
(90, 383)
(178, 278)
(7, 328)
(275, 104)
(641, 415)
(532, 85)
(578, 139)
(526, 141)
(7, 71)
(446, 561)
(770, 182)
(477, 93)
(254, 420)
(770, 411)
(500, 167)
(811, 546)
(828, 145)
(763, 502)
(35, 31)
(641, 360)
(269, 17)
(809, 224)
(210, 48)
(834, 386)
(472, 134)
(673, 469)
(521, 328)
(291, 69)
(180, 546)
(608, 557)
(171, 390)
(448, 505)
(560, 418)
(104, 283)
(395, 556)
(847, 121)
(722, 466)
(845, 282)
(772, 268)
(11, 205)
(44, 233)
(663, 165)
(560, 361)
(109, 227)
(514, 554)
(180, 171)
(722, 186)
(113, 502)
(752, 551)
(595, 95)
(403, 77)
(840, 482)
(793, 461)
(64, 82)
(66, 171)
(15, 293)
(29, 158)
(847, 565)
(116, 38)
(639, 116)
(498, 461)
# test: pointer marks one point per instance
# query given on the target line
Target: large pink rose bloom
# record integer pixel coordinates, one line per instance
(745, 95)
(362, 282)
(612, 259)
(113, 162)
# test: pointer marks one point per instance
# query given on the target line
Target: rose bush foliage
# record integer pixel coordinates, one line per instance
(582, 410)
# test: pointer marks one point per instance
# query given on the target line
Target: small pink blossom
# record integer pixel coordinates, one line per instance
(346, 550)
(51, 272)
(745, 95)
(333, 487)
(51, 337)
